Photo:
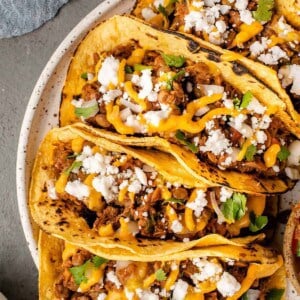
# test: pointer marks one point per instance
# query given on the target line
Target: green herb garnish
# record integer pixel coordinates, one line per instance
(75, 165)
(162, 10)
(160, 275)
(235, 207)
(246, 99)
(275, 294)
(169, 82)
(236, 103)
(182, 138)
(128, 69)
(264, 10)
(84, 76)
(140, 67)
(98, 261)
(173, 60)
(283, 153)
(257, 222)
(250, 152)
(78, 272)
(86, 112)
(174, 200)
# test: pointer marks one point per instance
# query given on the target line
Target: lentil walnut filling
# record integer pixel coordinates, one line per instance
(198, 274)
(146, 93)
(254, 29)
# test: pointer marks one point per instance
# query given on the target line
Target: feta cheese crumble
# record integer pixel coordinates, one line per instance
(180, 290)
(77, 189)
(112, 277)
(176, 226)
(109, 71)
(228, 285)
(198, 204)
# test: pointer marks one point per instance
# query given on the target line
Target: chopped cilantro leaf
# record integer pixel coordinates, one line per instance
(275, 294)
(264, 10)
(173, 60)
(84, 76)
(128, 70)
(140, 67)
(78, 273)
(235, 207)
(175, 77)
(172, 1)
(75, 165)
(160, 275)
(246, 99)
(174, 200)
(250, 152)
(181, 137)
(162, 10)
(86, 112)
(245, 296)
(98, 261)
(257, 222)
(236, 103)
(283, 153)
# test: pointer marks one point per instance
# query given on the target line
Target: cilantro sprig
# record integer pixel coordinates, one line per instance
(182, 138)
(79, 272)
(160, 275)
(250, 152)
(174, 200)
(140, 67)
(235, 207)
(275, 294)
(264, 10)
(244, 102)
(170, 81)
(75, 165)
(283, 154)
(86, 112)
(84, 76)
(173, 60)
(257, 222)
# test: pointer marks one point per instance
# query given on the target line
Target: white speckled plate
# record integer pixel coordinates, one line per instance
(42, 114)
(42, 110)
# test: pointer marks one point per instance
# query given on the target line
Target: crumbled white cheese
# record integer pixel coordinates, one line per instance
(102, 296)
(199, 203)
(256, 106)
(228, 285)
(146, 84)
(112, 277)
(77, 103)
(238, 124)
(210, 89)
(104, 185)
(109, 71)
(221, 26)
(129, 295)
(283, 27)
(135, 187)
(155, 116)
(246, 16)
(207, 270)
(225, 194)
(273, 56)
(146, 295)
(259, 47)
(148, 13)
(111, 95)
(261, 136)
(180, 290)
(290, 74)
(294, 157)
(241, 4)
(140, 175)
(176, 226)
(276, 168)
(77, 189)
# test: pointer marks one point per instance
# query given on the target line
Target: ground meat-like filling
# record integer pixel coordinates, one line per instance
(121, 196)
(85, 276)
(143, 92)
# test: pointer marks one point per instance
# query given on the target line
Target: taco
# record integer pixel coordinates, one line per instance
(186, 103)
(90, 191)
(70, 272)
(254, 29)
(291, 247)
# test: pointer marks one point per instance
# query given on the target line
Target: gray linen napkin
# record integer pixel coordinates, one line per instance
(21, 16)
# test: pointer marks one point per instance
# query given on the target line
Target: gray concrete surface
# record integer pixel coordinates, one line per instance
(21, 62)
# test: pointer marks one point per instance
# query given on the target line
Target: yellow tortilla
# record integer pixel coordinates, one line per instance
(261, 265)
(291, 11)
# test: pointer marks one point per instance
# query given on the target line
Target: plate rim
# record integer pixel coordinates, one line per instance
(26, 125)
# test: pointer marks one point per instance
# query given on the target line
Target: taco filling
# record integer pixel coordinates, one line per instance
(120, 196)
(252, 28)
(134, 91)
(83, 275)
